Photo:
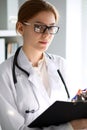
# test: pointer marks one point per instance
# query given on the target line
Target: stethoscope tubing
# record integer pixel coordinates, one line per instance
(15, 64)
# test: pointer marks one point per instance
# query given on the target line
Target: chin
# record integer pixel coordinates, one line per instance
(44, 49)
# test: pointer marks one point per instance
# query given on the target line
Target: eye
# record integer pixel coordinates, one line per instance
(39, 28)
(53, 29)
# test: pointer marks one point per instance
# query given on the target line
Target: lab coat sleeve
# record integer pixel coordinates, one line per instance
(10, 118)
(61, 127)
(66, 126)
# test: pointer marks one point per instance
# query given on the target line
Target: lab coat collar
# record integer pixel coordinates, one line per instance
(23, 62)
(50, 63)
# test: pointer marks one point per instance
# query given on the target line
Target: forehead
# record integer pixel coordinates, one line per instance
(44, 17)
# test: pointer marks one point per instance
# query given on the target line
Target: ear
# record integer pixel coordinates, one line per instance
(20, 28)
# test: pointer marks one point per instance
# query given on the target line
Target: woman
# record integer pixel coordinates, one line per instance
(36, 84)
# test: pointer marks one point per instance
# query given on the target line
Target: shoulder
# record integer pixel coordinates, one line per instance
(6, 66)
(59, 60)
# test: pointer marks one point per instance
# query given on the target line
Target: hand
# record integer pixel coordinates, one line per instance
(80, 124)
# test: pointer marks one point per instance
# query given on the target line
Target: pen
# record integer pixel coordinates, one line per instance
(80, 96)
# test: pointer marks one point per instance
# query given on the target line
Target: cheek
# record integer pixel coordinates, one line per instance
(51, 38)
(27, 34)
(31, 37)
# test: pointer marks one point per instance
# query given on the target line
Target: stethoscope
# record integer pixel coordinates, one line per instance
(15, 64)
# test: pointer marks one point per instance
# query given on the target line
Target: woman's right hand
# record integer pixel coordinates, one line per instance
(80, 124)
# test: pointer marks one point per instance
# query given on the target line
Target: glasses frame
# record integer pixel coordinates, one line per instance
(43, 25)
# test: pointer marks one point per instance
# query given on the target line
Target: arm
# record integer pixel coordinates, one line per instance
(80, 124)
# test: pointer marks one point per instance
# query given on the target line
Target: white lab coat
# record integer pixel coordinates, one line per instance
(16, 99)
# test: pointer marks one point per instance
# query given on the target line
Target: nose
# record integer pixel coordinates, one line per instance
(46, 33)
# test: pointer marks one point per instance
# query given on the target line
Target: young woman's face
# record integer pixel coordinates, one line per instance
(35, 40)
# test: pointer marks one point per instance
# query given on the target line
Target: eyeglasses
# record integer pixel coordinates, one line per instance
(39, 28)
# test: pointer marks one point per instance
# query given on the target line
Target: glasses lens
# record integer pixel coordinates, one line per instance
(39, 28)
(42, 28)
(53, 29)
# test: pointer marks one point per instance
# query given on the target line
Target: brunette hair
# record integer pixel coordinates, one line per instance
(32, 7)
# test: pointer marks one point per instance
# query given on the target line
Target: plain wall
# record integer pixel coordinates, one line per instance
(12, 9)
(3, 14)
(84, 42)
(58, 45)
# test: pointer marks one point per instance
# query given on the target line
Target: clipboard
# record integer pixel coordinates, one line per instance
(60, 112)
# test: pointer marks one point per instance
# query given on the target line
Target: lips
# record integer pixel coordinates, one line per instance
(43, 42)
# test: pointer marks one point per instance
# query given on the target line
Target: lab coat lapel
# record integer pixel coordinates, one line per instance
(51, 68)
(23, 62)
(37, 83)
(55, 82)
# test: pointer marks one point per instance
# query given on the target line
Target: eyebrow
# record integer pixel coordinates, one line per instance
(44, 23)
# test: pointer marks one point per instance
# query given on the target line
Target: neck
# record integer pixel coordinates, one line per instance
(33, 55)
